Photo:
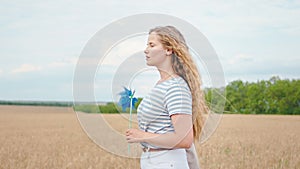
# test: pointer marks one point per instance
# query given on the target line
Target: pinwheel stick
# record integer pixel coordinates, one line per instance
(130, 112)
(127, 98)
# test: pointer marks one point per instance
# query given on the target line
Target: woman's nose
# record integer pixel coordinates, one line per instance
(146, 50)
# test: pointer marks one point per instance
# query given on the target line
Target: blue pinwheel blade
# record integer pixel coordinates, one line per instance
(134, 100)
(125, 99)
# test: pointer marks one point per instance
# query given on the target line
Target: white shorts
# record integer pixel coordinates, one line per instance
(167, 159)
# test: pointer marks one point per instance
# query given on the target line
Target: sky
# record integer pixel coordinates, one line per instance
(41, 41)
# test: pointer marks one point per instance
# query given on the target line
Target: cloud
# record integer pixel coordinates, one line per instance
(241, 59)
(254, 39)
(253, 67)
(26, 68)
(244, 64)
(245, 18)
(63, 63)
(124, 49)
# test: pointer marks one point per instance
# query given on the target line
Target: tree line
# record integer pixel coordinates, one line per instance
(273, 96)
(38, 103)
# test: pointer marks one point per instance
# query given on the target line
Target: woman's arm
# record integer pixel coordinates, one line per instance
(181, 138)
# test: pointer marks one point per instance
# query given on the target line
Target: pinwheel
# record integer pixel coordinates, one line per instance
(127, 100)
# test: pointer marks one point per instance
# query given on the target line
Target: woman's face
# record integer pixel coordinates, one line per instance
(156, 54)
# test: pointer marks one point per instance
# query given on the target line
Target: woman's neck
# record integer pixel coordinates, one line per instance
(166, 74)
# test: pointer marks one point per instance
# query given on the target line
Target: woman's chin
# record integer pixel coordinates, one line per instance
(149, 64)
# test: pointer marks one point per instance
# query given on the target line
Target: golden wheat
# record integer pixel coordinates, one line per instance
(51, 137)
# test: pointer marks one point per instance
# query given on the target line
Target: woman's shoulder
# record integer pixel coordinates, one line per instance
(176, 83)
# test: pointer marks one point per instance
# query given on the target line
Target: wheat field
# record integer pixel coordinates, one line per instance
(52, 137)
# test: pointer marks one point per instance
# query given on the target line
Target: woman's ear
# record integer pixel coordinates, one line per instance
(169, 52)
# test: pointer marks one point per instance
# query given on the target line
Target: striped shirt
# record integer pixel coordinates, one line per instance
(169, 97)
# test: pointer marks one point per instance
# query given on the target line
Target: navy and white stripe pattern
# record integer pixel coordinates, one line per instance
(165, 99)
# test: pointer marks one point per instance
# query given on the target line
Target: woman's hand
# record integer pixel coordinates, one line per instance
(134, 135)
(182, 137)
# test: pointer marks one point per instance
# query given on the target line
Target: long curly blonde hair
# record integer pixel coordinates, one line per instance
(184, 66)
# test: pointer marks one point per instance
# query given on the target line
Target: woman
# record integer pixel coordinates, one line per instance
(170, 116)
